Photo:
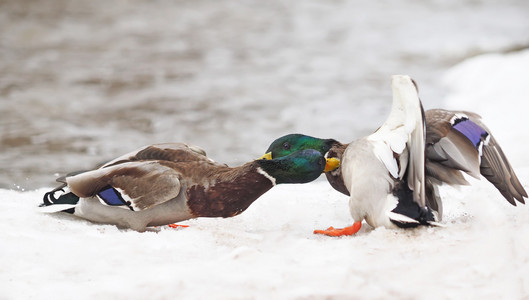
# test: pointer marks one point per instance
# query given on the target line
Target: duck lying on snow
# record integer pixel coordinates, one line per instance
(392, 175)
(167, 183)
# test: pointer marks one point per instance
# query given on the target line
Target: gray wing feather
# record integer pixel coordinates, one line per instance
(416, 179)
(496, 168)
(455, 151)
(176, 152)
(444, 174)
(144, 184)
(449, 149)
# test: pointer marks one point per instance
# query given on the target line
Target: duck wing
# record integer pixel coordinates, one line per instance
(137, 180)
(448, 149)
(175, 152)
(133, 185)
(460, 141)
(399, 142)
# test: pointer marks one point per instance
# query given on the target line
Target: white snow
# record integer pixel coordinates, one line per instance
(269, 252)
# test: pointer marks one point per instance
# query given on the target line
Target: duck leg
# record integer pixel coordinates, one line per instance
(331, 231)
(177, 226)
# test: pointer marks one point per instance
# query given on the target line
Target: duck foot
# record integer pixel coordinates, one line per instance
(331, 231)
(177, 226)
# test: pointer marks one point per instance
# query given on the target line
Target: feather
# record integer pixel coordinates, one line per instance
(400, 218)
(416, 179)
(403, 129)
(176, 152)
(496, 169)
(455, 151)
(49, 209)
(443, 174)
(459, 140)
(433, 199)
(385, 155)
(137, 185)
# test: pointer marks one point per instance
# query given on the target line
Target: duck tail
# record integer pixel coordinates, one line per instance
(408, 213)
(66, 202)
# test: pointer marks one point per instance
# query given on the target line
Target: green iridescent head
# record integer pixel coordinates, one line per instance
(298, 167)
(291, 143)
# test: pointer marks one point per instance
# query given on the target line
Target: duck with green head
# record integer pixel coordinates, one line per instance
(331, 149)
(412, 153)
(166, 183)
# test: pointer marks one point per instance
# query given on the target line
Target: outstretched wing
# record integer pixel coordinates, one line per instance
(459, 141)
(399, 143)
(133, 185)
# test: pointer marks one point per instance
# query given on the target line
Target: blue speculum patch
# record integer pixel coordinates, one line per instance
(111, 196)
(472, 131)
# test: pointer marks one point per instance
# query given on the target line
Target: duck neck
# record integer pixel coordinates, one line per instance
(231, 194)
(335, 177)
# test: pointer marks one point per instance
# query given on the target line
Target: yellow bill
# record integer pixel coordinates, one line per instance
(267, 156)
(331, 164)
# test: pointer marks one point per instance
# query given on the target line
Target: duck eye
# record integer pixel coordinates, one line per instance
(286, 146)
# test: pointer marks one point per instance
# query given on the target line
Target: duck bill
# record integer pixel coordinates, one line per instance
(331, 164)
(267, 156)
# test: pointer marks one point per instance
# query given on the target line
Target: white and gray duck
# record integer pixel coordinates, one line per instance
(167, 183)
(392, 176)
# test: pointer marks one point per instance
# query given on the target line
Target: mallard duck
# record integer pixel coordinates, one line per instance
(392, 176)
(166, 183)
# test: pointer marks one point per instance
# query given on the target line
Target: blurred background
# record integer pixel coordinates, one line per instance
(82, 82)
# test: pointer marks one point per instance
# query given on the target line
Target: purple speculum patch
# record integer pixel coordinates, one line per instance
(471, 130)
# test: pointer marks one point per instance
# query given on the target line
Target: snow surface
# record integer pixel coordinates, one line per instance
(269, 252)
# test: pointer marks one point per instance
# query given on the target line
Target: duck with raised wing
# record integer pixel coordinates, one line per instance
(392, 176)
(166, 183)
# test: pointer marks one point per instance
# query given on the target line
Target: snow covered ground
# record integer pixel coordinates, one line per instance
(269, 252)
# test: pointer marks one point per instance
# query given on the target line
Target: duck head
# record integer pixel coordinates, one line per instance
(291, 143)
(298, 167)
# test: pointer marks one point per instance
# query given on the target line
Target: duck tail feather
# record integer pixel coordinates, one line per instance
(403, 221)
(66, 202)
(436, 224)
(68, 208)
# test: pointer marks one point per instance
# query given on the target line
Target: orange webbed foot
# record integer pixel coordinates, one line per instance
(177, 226)
(331, 231)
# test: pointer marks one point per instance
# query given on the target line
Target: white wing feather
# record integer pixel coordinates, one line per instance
(403, 130)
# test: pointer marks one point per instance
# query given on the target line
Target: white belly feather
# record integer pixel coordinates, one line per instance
(369, 184)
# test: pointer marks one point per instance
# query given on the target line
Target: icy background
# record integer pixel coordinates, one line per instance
(82, 82)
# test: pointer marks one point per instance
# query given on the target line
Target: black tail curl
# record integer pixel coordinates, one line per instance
(66, 198)
(409, 208)
(49, 197)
